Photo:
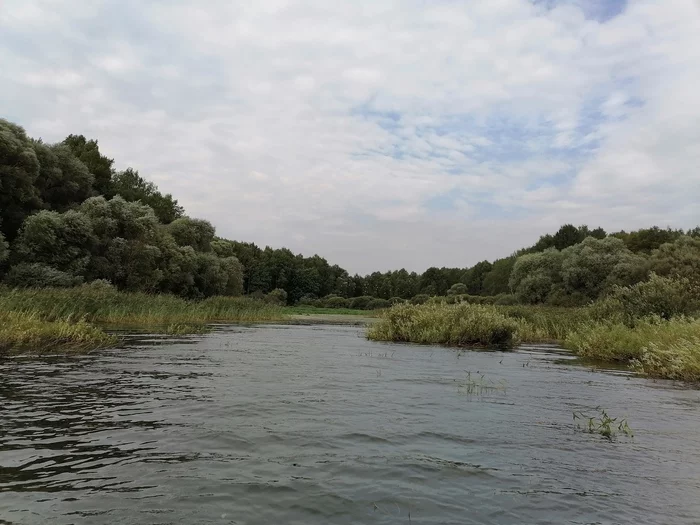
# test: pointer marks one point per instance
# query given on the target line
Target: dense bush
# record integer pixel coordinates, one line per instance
(663, 297)
(37, 275)
(360, 303)
(277, 296)
(377, 304)
(460, 325)
(420, 299)
(336, 302)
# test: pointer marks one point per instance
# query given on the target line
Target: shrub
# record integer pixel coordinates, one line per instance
(505, 299)
(457, 325)
(37, 275)
(377, 304)
(420, 299)
(360, 303)
(659, 296)
(396, 300)
(336, 302)
(276, 296)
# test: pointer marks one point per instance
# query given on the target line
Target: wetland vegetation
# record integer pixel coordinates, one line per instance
(85, 247)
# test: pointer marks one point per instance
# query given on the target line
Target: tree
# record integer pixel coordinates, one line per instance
(457, 289)
(63, 181)
(132, 187)
(99, 165)
(535, 275)
(594, 266)
(19, 169)
(680, 259)
(196, 233)
(496, 281)
(62, 241)
(474, 277)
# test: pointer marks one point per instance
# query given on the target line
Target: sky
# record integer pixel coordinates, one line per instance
(379, 134)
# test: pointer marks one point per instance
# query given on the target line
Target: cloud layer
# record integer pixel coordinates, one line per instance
(380, 134)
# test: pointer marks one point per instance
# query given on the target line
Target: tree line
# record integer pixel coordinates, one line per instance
(68, 217)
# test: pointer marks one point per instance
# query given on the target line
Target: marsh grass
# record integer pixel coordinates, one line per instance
(110, 307)
(26, 332)
(455, 325)
(602, 424)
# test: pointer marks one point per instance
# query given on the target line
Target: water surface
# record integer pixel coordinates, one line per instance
(316, 425)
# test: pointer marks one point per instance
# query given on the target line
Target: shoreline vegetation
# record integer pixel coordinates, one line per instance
(85, 248)
(652, 327)
(78, 319)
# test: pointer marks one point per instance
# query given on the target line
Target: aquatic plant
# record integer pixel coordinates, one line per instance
(480, 385)
(616, 341)
(26, 332)
(458, 325)
(603, 424)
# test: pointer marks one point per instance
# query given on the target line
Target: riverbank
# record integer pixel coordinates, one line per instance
(76, 319)
(650, 345)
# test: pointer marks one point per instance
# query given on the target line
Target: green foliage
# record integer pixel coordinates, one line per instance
(60, 240)
(19, 169)
(129, 185)
(420, 299)
(662, 297)
(63, 179)
(648, 239)
(334, 301)
(457, 289)
(360, 303)
(594, 266)
(680, 258)
(616, 341)
(88, 152)
(602, 424)
(535, 275)
(378, 304)
(4, 250)
(678, 359)
(104, 304)
(38, 275)
(195, 233)
(27, 332)
(277, 296)
(457, 325)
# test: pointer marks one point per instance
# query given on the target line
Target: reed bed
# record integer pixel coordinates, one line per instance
(22, 332)
(456, 325)
(108, 306)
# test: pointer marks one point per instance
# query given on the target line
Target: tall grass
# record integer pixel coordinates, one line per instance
(108, 306)
(458, 325)
(25, 332)
(654, 347)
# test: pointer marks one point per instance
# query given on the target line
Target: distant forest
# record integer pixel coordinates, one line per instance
(67, 217)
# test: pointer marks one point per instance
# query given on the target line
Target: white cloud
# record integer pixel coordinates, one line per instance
(328, 126)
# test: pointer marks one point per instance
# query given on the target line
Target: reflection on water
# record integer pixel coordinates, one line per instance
(304, 425)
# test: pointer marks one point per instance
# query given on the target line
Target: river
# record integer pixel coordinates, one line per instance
(316, 425)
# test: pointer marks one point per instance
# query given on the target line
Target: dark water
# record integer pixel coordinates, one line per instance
(315, 425)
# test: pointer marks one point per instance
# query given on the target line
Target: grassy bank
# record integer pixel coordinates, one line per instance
(652, 346)
(60, 319)
(107, 306)
(25, 332)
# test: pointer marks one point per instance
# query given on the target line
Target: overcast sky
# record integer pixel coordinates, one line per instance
(378, 133)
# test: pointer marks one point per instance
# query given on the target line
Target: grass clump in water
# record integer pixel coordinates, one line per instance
(26, 332)
(603, 424)
(456, 325)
